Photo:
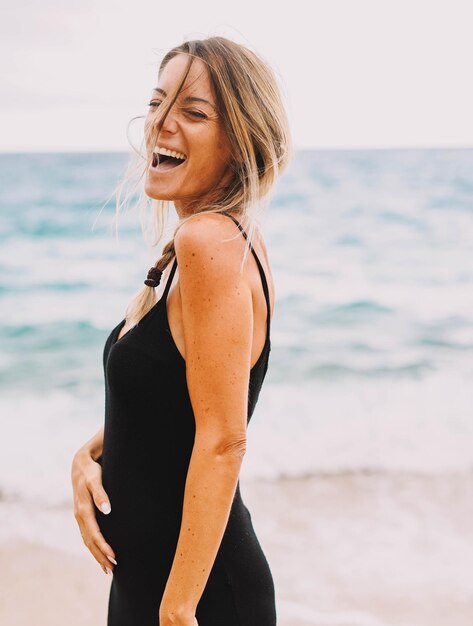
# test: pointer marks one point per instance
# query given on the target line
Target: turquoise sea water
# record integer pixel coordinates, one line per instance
(372, 337)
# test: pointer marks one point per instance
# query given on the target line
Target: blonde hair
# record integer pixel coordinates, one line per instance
(250, 108)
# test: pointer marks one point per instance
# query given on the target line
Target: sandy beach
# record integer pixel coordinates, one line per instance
(345, 550)
(366, 406)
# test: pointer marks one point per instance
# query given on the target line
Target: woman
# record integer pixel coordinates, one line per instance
(183, 374)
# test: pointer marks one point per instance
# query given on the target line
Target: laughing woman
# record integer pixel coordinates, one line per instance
(184, 368)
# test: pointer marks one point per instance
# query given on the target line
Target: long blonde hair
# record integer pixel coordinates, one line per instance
(252, 113)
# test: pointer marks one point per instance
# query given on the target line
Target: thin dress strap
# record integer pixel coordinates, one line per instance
(169, 280)
(261, 271)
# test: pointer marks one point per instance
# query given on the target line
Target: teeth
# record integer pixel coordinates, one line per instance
(171, 153)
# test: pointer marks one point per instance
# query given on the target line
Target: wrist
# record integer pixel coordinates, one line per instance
(176, 615)
(91, 450)
(94, 451)
(83, 456)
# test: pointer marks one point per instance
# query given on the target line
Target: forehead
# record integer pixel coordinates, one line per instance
(197, 80)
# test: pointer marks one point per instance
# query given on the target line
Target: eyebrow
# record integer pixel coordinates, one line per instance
(186, 99)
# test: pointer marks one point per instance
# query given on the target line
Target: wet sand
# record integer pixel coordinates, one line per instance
(345, 550)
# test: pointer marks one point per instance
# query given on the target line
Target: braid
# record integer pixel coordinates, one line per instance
(169, 252)
(145, 299)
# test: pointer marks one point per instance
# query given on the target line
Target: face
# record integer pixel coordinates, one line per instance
(192, 128)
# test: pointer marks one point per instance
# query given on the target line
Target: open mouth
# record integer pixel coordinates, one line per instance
(164, 162)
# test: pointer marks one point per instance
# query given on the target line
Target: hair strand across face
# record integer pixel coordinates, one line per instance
(250, 108)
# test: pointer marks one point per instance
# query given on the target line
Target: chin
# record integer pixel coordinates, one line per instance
(155, 194)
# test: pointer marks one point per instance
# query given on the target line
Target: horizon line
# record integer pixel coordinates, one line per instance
(296, 149)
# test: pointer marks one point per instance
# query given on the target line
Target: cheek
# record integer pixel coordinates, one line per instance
(225, 152)
(224, 145)
(216, 165)
(211, 161)
(212, 154)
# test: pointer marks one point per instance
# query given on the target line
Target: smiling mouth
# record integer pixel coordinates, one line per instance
(163, 162)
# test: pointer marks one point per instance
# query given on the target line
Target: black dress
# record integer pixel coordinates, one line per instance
(148, 440)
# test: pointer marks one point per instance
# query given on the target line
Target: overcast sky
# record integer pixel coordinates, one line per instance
(354, 73)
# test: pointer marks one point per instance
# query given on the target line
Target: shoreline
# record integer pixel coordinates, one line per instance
(364, 549)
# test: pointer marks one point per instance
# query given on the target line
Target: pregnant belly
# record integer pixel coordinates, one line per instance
(146, 514)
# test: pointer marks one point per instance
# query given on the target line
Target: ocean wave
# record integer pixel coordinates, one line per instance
(372, 334)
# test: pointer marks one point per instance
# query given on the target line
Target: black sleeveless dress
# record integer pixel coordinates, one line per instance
(148, 439)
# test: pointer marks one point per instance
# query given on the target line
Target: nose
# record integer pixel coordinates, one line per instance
(154, 131)
(169, 124)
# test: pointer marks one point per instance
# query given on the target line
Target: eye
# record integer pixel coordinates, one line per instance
(154, 103)
(197, 114)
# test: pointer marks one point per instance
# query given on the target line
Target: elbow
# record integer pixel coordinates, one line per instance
(224, 448)
(234, 447)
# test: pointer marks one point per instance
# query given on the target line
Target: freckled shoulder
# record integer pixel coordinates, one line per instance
(209, 235)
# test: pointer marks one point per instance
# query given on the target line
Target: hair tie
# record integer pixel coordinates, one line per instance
(154, 277)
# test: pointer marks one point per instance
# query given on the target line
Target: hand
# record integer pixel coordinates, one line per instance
(86, 475)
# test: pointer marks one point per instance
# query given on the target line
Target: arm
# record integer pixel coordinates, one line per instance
(218, 323)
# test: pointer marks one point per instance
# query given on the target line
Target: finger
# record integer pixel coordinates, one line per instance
(99, 495)
(94, 532)
(106, 566)
(101, 501)
(89, 528)
(91, 542)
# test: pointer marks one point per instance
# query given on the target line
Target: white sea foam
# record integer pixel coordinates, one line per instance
(372, 336)
(312, 429)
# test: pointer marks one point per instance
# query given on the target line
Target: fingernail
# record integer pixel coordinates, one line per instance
(109, 571)
(112, 560)
(104, 569)
(105, 508)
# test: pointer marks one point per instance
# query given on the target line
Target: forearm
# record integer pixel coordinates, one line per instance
(210, 488)
(94, 446)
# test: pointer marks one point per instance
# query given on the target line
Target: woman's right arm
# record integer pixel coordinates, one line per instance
(86, 475)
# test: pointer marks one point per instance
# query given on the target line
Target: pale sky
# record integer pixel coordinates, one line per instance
(354, 73)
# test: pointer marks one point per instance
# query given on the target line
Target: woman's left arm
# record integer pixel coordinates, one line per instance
(218, 326)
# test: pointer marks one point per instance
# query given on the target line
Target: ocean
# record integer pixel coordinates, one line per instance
(372, 336)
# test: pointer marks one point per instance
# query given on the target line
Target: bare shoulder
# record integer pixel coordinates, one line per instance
(216, 305)
(202, 223)
(208, 237)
